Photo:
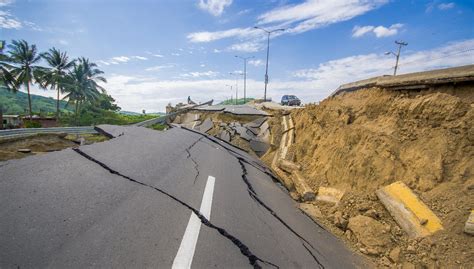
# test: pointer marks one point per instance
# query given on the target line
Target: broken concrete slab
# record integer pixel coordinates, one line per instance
(413, 216)
(224, 135)
(256, 123)
(244, 133)
(264, 127)
(259, 147)
(288, 166)
(206, 126)
(307, 194)
(254, 130)
(469, 227)
(329, 195)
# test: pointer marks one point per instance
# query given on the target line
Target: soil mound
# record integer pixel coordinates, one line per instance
(361, 141)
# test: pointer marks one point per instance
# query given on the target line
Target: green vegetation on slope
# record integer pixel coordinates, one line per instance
(16, 103)
(240, 101)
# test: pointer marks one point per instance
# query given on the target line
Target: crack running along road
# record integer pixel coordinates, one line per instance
(253, 260)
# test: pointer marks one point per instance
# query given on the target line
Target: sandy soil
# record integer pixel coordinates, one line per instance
(42, 143)
(360, 141)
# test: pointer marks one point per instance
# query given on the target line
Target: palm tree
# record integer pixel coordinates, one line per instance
(81, 84)
(24, 69)
(7, 81)
(54, 76)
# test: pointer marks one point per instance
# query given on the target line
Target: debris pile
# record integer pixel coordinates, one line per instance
(354, 144)
(250, 132)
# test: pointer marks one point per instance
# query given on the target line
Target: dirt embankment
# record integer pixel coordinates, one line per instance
(42, 143)
(361, 141)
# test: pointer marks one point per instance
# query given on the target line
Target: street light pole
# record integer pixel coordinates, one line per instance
(245, 75)
(236, 85)
(230, 91)
(397, 55)
(268, 53)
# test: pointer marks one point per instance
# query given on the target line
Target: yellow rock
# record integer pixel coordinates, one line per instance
(330, 195)
(413, 216)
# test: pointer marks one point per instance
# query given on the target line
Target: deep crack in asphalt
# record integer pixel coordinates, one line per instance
(253, 260)
(253, 194)
(188, 151)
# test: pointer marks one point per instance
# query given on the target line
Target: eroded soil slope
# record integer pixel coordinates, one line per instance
(361, 141)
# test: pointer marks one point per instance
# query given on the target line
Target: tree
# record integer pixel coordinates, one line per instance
(24, 69)
(81, 84)
(7, 81)
(54, 76)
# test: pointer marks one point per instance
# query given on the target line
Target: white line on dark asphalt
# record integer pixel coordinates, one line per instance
(185, 254)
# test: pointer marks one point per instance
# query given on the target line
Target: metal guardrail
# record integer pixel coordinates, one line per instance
(52, 130)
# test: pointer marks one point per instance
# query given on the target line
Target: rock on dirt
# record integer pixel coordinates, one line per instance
(371, 233)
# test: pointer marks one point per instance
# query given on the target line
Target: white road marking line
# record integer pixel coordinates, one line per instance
(185, 254)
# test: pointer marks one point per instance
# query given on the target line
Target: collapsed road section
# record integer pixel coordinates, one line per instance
(243, 126)
(126, 202)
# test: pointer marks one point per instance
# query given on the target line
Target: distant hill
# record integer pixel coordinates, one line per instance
(17, 103)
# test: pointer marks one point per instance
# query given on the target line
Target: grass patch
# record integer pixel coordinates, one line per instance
(158, 127)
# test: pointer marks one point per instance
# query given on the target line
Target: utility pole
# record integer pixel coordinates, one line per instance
(245, 75)
(236, 85)
(2, 46)
(227, 85)
(397, 55)
(268, 53)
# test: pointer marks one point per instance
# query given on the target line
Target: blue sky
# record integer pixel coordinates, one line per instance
(156, 52)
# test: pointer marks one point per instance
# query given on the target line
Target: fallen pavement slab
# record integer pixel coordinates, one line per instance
(256, 123)
(329, 195)
(224, 135)
(413, 216)
(259, 147)
(288, 166)
(206, 126)
(307, 194)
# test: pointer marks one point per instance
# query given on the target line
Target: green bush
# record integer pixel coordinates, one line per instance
(32, 124)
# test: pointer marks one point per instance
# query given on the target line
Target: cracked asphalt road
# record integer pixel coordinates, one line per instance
(127, 202)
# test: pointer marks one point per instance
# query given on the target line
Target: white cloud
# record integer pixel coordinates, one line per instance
(159, 67)
(122, 59)
(175, 54)
(7, 21)
(158, 55)
(256, 62)
(212, 36)
(379, 31)
(103, 62)
(246, 47)
(359, 31)
(313, 14)
(5, 2)
(444, 6)
(217, 51)
(140, 58)
(214, 7)
(200, 74)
